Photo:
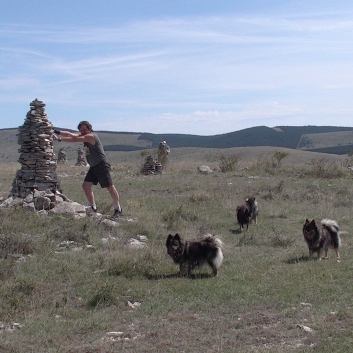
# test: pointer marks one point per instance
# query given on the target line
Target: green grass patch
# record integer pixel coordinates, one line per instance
(68, 298)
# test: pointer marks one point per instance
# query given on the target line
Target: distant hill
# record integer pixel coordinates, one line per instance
(324, 139)
(294, 137)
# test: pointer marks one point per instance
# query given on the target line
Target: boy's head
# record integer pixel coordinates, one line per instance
(84, 127)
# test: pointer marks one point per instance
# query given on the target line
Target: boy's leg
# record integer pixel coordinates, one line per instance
(114, 195)
(87, 188)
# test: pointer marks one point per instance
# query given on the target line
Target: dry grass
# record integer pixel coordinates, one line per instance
(266, 293)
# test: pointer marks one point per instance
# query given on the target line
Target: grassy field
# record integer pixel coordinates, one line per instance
(60, 295)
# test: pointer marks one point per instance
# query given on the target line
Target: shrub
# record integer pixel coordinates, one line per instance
(278, 157)
(323, 168)
(227, 163)
(270, 162)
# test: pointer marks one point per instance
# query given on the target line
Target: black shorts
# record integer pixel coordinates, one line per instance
(100, 173)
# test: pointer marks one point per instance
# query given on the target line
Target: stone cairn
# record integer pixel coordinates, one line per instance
(38, 166)
(163, 153)
(36, 186)
(151, 166)
(62, 156)
(81, 160)
(163, 148)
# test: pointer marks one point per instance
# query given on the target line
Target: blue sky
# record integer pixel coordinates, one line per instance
(199, 67)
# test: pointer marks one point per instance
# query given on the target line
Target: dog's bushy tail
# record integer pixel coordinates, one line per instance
(330, 224)
(333, 228)
(214, 240)
(217, 244)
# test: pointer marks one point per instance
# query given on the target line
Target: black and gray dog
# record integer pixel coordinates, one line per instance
(191, 254)
(247, 213)
(321, 237)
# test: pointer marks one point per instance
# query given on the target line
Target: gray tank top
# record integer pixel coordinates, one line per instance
(95, 153)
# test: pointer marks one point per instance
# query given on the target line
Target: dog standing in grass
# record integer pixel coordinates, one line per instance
(191, 254)
(322, 237)
(247, 213)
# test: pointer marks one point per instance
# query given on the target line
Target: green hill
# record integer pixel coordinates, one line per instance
(281, 136)
(325, 139)
(256, 136)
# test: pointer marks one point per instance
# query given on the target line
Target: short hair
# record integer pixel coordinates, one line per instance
(89, 126)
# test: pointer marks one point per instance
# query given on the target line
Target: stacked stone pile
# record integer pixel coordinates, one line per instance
(163, 153)
(38, 166)
(62, 156)
(36, 186)
(163, 148)
(151, 166)
(81, 160)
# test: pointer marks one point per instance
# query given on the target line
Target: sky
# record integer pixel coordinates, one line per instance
(202, 67)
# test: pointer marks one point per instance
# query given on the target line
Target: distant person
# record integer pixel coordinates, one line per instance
(99, 171)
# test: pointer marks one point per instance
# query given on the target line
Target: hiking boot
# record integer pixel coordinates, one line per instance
(94, 209)
(118, 212)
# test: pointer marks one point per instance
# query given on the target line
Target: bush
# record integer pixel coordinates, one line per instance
(270, 162)
(322, 168)
(228, 163)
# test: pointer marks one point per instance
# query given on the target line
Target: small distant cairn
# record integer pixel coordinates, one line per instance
(81, 160)
(163, 153)
(151, 166)
(62, 156)
(35, 185)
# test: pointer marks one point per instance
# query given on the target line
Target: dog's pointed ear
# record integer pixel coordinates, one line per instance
(169, 239)
(307, 223)
(177, 237)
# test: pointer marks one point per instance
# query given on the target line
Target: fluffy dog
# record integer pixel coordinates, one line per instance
(195, 254)
(253, 206)
(247, 213)
(321, 237)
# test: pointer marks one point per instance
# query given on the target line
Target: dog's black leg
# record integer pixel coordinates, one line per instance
(189, 269)
(182, 270)
(319, 255)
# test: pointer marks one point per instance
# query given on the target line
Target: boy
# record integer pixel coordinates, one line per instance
(99, 171)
